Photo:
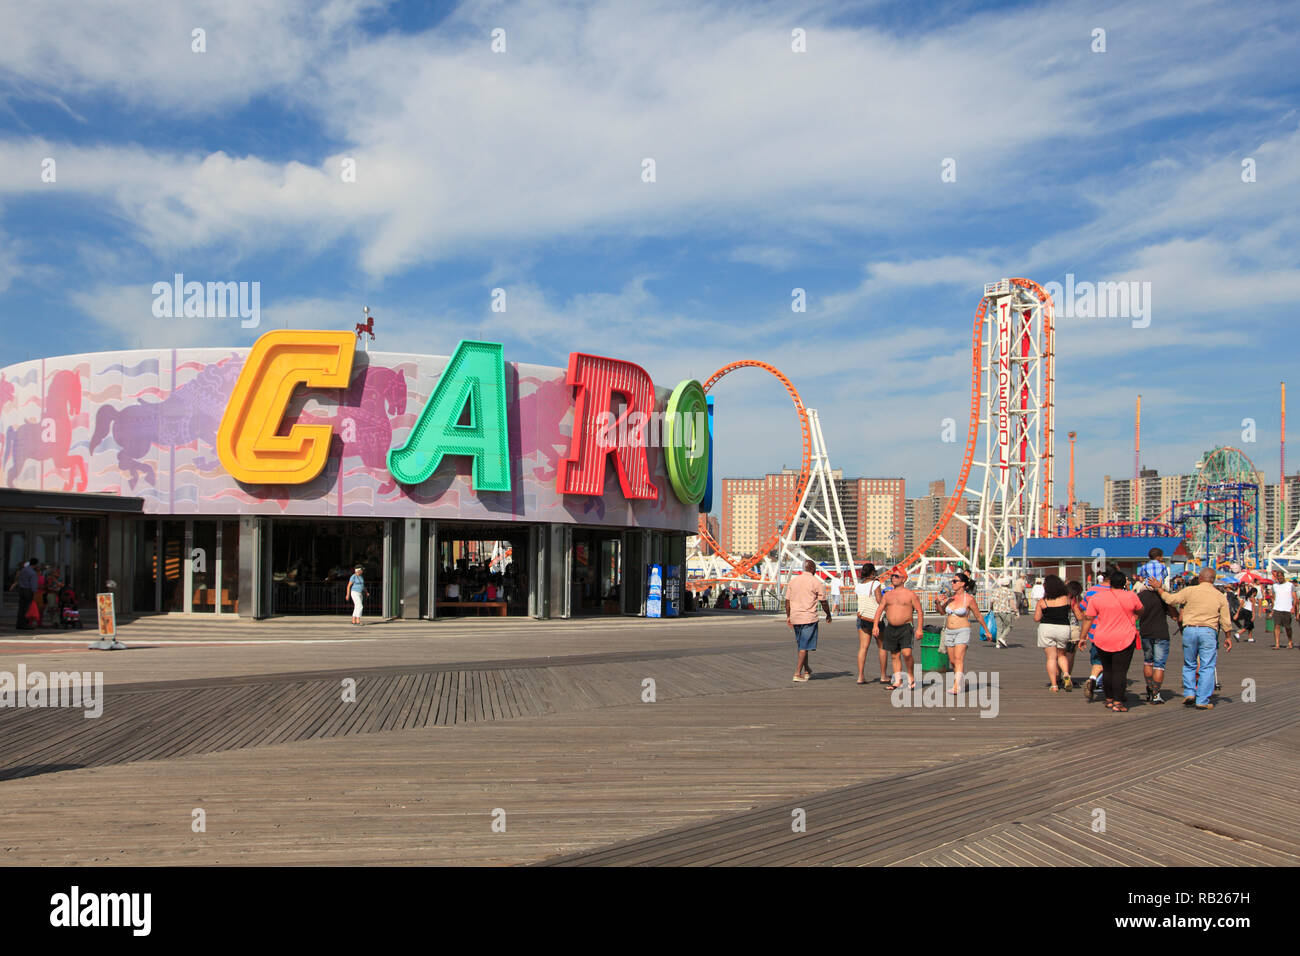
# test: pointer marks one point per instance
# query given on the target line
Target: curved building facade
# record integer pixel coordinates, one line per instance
(251, 481)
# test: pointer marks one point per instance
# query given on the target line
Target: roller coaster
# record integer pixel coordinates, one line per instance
(1012, 388)
(1004, 489)
(1220, 517)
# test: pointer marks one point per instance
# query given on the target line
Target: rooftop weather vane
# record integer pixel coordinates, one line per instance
(368, 327)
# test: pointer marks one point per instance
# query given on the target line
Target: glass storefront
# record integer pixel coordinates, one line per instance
(311, 562)
(597, 572)
(178, 563)
(412, 569)
(481, 570)
(68, 546)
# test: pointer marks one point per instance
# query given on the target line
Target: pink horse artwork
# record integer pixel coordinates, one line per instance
(361, 419)
(50, 438)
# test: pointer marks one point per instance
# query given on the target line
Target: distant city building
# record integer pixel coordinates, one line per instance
(925, 514)
(1154, 495)
(873, 508)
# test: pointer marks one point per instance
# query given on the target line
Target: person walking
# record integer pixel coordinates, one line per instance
(899, 606)
(1154, 568)
(1036, 592)
(802, 595)
(1004, 609)
(1205, 612)
(1076, 616)
(357, 589)
(1052, 612)
(1095, 676)
(1018, 587)
(961, 608)
(25, 582)
(1111, 617)
(1246, 618)
(1283, 608)
(868, 594)
(1153, 628)
(837, 587)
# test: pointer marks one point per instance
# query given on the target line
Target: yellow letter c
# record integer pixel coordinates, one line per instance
(278, 363)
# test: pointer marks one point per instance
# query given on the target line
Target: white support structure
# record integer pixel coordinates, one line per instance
(819, 514)
(1013, 401)
(1286, 553)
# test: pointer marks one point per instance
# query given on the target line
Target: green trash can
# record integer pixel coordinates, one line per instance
(933, 656)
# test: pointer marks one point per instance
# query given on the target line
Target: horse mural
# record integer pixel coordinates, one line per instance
(191, 412)
(50, 438)
(361, 418)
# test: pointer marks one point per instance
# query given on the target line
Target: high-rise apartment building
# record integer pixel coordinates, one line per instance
(874, 512)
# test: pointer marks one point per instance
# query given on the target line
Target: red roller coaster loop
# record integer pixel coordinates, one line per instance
(745, 567)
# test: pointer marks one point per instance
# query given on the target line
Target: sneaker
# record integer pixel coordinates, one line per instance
(1189, 701)
(1067, 683)
(1156, 698)
(1090, 689)
(1205, 707)
(799, 678)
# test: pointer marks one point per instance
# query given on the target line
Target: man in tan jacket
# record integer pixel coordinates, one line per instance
(1205, 613)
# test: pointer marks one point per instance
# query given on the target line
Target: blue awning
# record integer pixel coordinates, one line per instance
(1081, 549)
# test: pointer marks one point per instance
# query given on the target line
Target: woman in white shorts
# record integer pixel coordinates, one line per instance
(1052, 612)
(961, 608)
(357, 591)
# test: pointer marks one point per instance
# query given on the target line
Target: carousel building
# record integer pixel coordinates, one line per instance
(250, 482)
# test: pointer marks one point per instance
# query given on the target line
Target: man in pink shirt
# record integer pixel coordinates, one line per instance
(802, 595)
(1110, 621)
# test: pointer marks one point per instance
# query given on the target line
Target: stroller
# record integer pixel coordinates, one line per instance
(69, 615)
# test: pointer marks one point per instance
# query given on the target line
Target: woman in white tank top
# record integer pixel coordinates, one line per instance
(868, 592)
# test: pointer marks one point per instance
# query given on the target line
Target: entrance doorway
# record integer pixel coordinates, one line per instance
(312, 561)
(185, 566)
(481, 570)
(597, 572)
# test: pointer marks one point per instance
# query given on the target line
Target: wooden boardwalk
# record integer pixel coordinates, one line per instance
(447, 728)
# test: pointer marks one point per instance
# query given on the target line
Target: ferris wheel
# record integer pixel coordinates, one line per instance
(1220, 515)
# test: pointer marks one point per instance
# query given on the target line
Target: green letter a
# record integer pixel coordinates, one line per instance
(474, 377)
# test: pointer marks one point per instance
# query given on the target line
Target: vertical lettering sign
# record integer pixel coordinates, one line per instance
(1004, 387)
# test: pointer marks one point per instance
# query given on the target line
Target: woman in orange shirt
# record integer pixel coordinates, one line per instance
(1111, 624)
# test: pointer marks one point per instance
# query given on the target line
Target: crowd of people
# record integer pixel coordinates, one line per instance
(1111, 620)
(478, 582)
(44, 600)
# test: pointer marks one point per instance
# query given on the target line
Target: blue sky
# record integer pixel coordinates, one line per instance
(774, 170)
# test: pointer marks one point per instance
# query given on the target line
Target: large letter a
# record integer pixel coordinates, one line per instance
(474, 377)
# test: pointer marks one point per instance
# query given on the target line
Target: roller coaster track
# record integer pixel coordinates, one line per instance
(745, 566)
(972, 430)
